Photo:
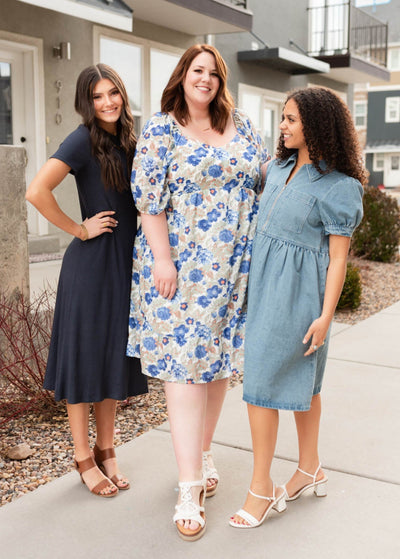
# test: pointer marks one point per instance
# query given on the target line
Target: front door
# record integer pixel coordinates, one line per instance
(18, 113)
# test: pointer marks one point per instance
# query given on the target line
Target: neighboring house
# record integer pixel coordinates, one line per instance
(382, 105)
(270, 47)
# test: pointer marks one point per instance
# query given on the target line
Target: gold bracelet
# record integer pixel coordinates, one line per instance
(85, 233)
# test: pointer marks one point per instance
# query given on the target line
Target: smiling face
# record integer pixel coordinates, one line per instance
(201, 82)
(108, 105)
(291, 127)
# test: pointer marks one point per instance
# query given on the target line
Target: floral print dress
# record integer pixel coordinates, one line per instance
(209, 196)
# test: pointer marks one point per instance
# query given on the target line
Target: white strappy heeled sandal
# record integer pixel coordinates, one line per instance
(210, 472)
(276, 503)
(320, 486)
(187, 509)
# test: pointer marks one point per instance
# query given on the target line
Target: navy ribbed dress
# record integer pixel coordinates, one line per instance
(87, 361)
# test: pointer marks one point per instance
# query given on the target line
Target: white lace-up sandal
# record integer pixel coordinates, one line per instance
(276, 503)
(210, 472)
(320, 486)
(187, 509)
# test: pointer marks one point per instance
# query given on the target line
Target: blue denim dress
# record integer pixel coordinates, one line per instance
(287, 280)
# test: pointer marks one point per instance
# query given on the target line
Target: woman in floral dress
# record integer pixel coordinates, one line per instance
(197, 168)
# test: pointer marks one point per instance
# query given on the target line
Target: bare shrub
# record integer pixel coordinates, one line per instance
(25, 331)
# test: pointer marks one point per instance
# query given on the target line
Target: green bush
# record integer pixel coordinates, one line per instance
(378, 236)
(351, 294)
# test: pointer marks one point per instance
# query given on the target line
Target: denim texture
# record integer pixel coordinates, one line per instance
(287, 280)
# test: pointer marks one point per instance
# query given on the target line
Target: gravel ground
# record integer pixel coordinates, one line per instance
(48, 434)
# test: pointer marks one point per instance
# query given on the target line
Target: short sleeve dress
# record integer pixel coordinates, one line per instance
(287, 280)
(87, 360)
(209, 196)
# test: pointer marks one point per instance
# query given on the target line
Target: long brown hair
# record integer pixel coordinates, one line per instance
(329, 132)
(173, 98)
(103, 148)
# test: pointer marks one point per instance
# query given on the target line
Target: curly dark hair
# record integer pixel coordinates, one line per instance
(329, 133)
(112, 172)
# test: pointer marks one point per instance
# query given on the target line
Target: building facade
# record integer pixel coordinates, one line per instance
(270, 47)
(379, 103)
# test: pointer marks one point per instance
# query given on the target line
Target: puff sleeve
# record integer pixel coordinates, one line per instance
(150, 166)
(341, 207)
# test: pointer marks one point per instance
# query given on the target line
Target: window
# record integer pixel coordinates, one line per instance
(360, 114)
(6, 135)
(328, 24)
(161, 66)
(379, 162)
(395, 162)
(264, 108)
(394, 59)
(392, 109)
(126, 59)
(144, 66)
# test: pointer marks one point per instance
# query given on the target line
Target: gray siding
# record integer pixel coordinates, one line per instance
(378, 129)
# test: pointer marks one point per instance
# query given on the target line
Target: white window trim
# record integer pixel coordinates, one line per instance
(146, 45)
(365, 105)
(390, 53)
(378, 156)
(388, 118)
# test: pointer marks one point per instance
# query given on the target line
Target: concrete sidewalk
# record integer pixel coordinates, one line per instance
(360, 451)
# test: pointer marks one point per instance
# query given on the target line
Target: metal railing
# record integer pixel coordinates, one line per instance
(341, 28)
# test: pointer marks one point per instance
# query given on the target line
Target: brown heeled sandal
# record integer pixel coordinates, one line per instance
(101, 456)
(87, 464)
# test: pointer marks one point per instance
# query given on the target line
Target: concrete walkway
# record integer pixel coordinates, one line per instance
(361, 455)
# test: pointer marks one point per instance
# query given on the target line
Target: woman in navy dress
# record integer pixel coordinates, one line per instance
(87, 361)
(312, 202)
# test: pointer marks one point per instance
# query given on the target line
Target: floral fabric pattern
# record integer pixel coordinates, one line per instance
(209, 196)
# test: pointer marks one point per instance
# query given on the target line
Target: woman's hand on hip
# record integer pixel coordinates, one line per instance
(102, 222)
(165, 277)
(317, 334)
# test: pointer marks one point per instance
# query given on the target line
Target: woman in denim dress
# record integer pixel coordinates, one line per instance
(310, 206)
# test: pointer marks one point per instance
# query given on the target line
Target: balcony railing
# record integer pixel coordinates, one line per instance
(340, 28)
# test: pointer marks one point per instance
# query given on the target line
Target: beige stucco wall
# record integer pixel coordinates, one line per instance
(14, 269)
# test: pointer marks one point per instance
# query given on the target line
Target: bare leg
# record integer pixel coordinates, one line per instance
(105, 429)
(215, 398)
(78, 415)
(264, 429)
(186, 412)
(307, 424)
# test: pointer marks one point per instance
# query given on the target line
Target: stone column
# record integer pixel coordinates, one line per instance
(14, 260)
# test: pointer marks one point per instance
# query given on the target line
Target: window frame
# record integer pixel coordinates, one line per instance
(364, 104)
(146, 45)
(388, 109)
(268, 99)
(378, 156)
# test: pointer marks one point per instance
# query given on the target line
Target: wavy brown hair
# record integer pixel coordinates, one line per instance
(173, 97)
(103, 148)
(329, 133)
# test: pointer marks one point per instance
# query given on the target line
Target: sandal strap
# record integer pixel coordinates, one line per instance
(85, 465)
(101, 485)
(249, 518)
(313, 476)
(210, 472)
(102, 455)
(187, 509)
(270, 499)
